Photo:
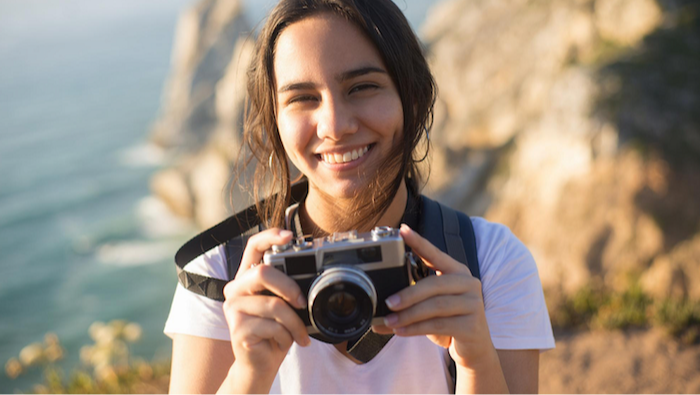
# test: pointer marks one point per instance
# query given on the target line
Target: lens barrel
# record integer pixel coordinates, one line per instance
(342, 303)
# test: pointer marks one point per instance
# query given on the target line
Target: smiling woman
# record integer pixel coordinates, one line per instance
(340, 89)
(335, 98)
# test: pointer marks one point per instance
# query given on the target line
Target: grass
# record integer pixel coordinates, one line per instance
(595, 307)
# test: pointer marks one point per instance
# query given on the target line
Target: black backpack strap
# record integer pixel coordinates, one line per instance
(233, 233)
(451, 231)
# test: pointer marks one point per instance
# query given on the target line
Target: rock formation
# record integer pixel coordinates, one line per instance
(200, 122)
(575, 123)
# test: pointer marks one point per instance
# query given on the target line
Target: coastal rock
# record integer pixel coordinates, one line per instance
(204, 46)
(172, 188)
(675, 275)
(626, 22)
(572, 122)
(554, 118)
(208, 179)
(202, 112)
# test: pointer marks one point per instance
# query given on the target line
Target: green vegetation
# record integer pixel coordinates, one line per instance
(595, 307)
(108, 366)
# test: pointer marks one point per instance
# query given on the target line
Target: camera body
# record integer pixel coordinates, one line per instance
(346, 277)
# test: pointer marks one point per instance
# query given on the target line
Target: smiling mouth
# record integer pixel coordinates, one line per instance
(345, 157)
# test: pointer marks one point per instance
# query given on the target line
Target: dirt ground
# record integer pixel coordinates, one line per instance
(639, 361)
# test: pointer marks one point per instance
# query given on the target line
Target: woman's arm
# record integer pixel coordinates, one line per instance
(199, 365)
(262, 328)
(449, 309)
(521, 370)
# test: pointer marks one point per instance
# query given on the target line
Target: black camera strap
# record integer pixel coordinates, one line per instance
(449, 230)
(233, 233)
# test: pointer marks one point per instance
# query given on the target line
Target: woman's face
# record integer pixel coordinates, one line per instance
(338, 111)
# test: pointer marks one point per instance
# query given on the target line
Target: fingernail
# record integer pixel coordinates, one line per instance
(405, 228)
(285, 233)
(391, 319)
(400, 331)
(393, 301)
(301, 301)
(307, 342)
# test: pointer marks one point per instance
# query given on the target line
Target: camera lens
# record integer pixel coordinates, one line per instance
(342, 302)
(342, 306)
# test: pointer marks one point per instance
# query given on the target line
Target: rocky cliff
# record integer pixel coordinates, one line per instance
(201, 115)
(573, 122)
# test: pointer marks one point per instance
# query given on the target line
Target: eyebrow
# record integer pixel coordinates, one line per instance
(347, 75)
(359, 72)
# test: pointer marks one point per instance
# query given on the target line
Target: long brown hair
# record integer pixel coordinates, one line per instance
(387, 28)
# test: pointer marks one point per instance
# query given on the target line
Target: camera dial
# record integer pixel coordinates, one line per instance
(380, 232)
(303, 243)
(279, 248)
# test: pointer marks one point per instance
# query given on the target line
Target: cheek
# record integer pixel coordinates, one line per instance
(295, 138)
(387, 119)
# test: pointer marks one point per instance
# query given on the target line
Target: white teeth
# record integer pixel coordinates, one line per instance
(345, 157)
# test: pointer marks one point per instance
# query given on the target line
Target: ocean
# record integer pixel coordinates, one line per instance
(81, 240)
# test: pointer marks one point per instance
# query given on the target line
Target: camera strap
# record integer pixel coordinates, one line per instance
(233, 233)
(449, 230)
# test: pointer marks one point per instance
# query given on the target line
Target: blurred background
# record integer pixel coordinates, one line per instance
(574, 122)
(82, 237)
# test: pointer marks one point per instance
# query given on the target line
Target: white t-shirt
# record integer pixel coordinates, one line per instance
(514, 305)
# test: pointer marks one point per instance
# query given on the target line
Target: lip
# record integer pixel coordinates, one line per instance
(346, 165)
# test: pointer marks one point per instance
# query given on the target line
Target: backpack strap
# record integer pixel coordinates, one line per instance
(452, 232)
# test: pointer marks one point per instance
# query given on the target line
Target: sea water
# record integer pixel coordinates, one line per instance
(80, 238)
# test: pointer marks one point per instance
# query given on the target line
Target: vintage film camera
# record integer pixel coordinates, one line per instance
(346, 277)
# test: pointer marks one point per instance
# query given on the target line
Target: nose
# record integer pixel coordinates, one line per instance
(335, 119)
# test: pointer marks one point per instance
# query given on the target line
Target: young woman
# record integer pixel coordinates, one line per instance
(341, 90)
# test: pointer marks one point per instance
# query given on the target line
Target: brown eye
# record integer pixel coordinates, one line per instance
(363, 87)
(301, 99)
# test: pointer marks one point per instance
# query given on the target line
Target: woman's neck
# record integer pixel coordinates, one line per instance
(319, 216)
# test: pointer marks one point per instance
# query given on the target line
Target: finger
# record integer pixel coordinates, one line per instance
(266, 278)
(445, 326)
(441, 340)
(382, 330)
(431, 255)
(436, 307)
(259, 243)
(257, 330)
(273, 308)
(452, 284)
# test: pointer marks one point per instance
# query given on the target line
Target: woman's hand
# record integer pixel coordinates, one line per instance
(263, 327)
(447, 308)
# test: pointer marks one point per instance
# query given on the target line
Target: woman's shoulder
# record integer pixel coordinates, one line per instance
(211, 264)
(500, 251)
(492, 235)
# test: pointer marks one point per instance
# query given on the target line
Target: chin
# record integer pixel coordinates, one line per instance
(344, 189)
